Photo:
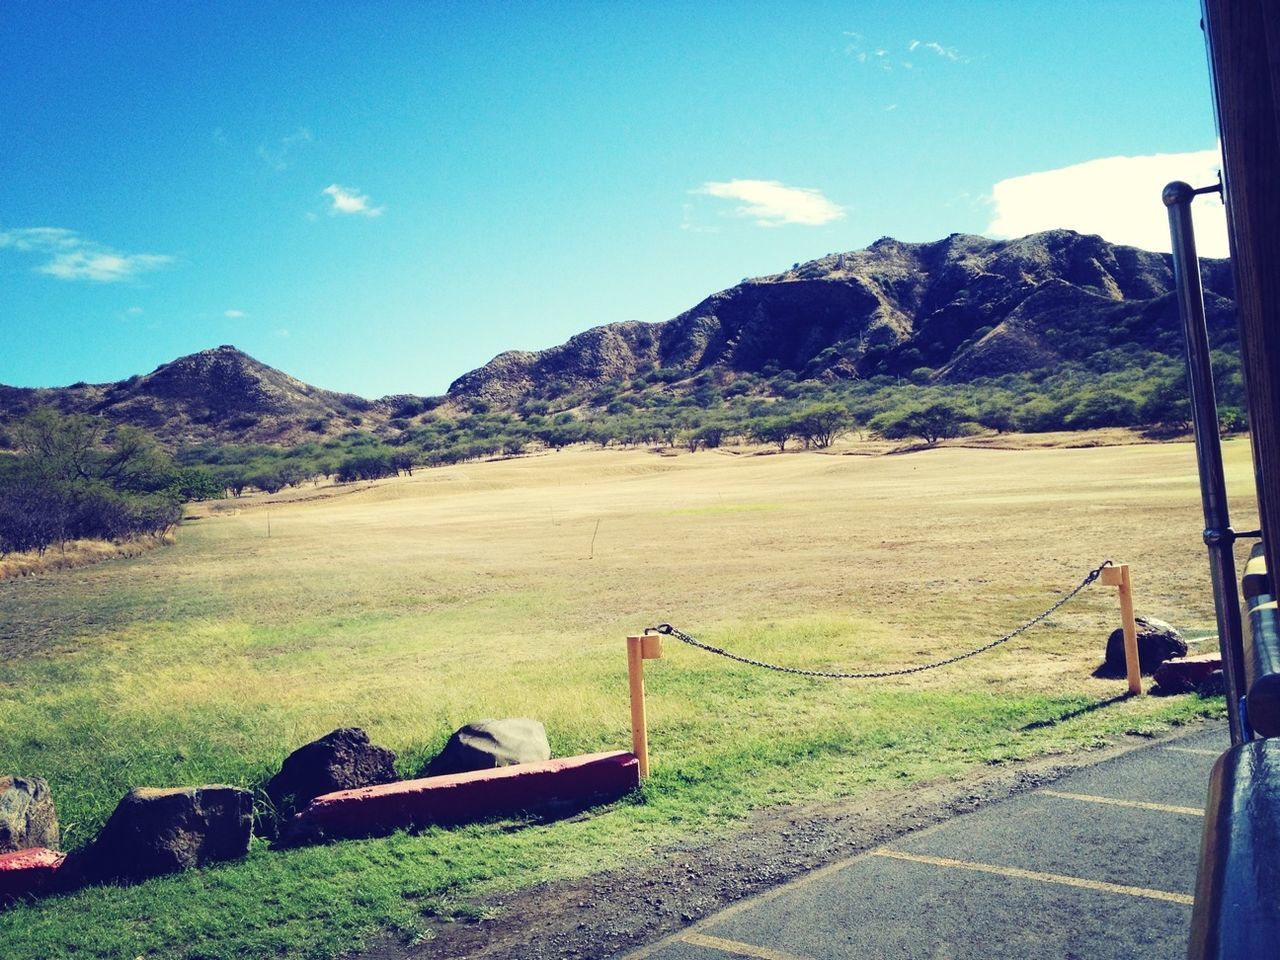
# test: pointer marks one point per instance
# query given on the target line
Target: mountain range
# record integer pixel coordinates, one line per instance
(955, 310)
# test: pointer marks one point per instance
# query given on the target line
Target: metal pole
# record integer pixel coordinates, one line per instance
(1218, 535)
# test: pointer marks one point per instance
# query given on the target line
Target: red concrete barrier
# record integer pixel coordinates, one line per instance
(467, 797)
(28, 873)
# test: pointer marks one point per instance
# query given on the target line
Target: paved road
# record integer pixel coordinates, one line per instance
(1100, 865)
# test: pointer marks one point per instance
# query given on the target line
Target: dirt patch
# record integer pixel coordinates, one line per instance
(611, 913)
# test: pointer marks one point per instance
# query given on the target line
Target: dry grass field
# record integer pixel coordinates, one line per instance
(490, 589)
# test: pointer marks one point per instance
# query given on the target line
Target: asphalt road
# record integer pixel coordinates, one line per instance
(1099, 865)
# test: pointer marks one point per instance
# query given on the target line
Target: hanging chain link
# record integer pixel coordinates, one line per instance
(670, 631)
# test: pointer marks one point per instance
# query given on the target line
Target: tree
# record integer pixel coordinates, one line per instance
(1102, 408)
(822, 424)
(56, 446)
(711, 435)
(931, 422)
(772, 430)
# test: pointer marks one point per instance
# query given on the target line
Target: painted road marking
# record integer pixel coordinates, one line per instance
(1135, 804)
(1021, 874)
(738, 948)
(1196, 750)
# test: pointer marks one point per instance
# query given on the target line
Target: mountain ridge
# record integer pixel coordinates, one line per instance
(948, 311)
(863, 312)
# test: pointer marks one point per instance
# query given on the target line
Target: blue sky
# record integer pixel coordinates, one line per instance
(378, 197)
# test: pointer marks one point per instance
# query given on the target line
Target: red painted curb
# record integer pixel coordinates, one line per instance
(466, 797)
(26, 873)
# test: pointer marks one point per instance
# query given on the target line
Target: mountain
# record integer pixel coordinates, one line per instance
(952, 311)
(219, 395)
(962, 308)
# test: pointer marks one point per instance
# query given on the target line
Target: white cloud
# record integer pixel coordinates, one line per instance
(947, 53)
(1116, 197)
(134, 311)
(773, 204)
(234, 314)
(72, 257)
(349, 201)
(276, 155)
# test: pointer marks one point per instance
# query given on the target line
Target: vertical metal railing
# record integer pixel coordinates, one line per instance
(1218, 535)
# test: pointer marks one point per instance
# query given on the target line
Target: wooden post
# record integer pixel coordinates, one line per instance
(1118, 576)
(640, 649)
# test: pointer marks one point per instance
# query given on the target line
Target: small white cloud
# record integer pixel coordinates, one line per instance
(947, 53)
(276, 155)
(72, 257)
(349, 201)
(134, 311)
(1115, 197)
(41, 239)
(891, 107)
(773, 204)
(234, 314)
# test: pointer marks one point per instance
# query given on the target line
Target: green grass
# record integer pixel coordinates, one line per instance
(416, 606)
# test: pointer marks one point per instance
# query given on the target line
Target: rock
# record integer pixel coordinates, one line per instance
(486, 744)
(341, 760)
(1157, 642)
(27, 816)
(154, 832)
(1214, 685)
(28, 873)
(1185, 674)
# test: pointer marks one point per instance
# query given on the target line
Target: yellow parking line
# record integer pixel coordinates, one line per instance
(1135, 804)
(737, 948)
(1021, 874)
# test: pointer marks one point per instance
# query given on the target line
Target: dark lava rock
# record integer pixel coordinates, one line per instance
(1157, 642)
(1214, 685)
(158, 831)
(341, 760)
(27, 816)
(1185, 674)
(486, 744)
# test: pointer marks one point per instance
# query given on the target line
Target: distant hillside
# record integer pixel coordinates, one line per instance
(220, 395)
(907, 315)
(961, 308)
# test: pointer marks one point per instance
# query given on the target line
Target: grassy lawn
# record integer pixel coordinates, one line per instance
(414, 605)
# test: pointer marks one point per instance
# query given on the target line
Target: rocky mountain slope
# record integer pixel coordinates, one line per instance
(214, 395)
(951, 311)
(964, 307)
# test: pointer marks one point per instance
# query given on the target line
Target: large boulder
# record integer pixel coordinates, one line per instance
(27, 817)
(153, 832)
(486, 744)
(1186, 673)
(1157, 642)
(341, 760)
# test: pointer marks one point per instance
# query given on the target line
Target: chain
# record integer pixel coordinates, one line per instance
(669, 630)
